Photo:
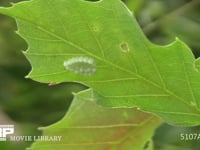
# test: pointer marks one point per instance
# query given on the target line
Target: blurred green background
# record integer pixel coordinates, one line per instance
(29, 104)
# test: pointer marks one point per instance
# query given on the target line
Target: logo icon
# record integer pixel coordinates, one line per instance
(5, 130)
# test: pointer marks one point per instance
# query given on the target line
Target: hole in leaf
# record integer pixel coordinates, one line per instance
(124, 47)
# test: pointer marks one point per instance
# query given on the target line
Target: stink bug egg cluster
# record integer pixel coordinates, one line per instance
(81, 65)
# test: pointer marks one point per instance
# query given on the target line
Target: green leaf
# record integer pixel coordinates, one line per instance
(90, 126)
(197, 64)
(131, 71)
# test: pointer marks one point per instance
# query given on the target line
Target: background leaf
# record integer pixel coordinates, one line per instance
(89, 126)
(134, 5)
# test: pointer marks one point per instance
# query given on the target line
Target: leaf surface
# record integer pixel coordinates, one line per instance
(131, 71)
(90, 126)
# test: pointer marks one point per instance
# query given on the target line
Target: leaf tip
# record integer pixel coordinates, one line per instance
(40, 128)
(177, 39)
(27, 77)
(12, 4)
(24, 52)
(74, 94)
(17, 32)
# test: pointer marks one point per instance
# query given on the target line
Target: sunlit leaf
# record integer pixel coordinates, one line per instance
(130, 71)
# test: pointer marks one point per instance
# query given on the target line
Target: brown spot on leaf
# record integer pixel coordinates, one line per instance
(124, 47)
(146, 145)
(96, 27)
